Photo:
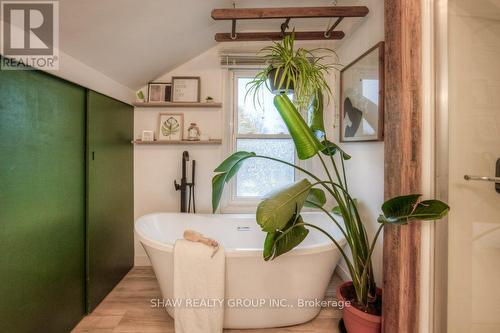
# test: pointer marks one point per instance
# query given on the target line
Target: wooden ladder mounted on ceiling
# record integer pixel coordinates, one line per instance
(287, 13)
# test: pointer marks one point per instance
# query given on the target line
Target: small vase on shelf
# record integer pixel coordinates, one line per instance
(193, 133)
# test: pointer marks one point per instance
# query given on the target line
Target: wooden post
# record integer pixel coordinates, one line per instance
(403, 125)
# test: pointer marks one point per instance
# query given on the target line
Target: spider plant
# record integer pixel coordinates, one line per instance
(279, 213)
(300, 70)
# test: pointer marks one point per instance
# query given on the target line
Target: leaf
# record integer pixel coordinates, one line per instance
(431, 210)
(315, 116)
(306, 144)
(226, 170)
(229, 162)
(274, 212)
(331, 149)
(403, 209)
(315, 198)
(269, 248)
(218, 182)
(400, 206)
(280, 242)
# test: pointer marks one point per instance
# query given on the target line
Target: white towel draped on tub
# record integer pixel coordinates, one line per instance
(199, 282)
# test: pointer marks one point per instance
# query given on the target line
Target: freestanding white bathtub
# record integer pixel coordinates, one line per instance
(259, 294)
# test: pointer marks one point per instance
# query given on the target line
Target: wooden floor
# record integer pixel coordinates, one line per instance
(128, 309)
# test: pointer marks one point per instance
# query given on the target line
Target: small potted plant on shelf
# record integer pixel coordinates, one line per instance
(209, 99)
(293, 69)
(140, 97)
(279, 214)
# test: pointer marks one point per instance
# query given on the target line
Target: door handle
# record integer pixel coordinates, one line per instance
(495, 179)
(483, 178)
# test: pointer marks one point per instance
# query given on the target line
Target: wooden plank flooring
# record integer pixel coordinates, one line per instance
(127, 309)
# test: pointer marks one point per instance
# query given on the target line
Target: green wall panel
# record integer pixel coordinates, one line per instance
(42, 202)
(110, 215)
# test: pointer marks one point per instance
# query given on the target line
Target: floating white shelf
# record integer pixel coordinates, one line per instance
(177, 105)
(178, 142)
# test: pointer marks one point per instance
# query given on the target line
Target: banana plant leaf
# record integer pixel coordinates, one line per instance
(232, 160)
(315, 116)
(226, 170)
(315, 198)
(306, 144)
(403, 209)
(276, 210)
(280, 242)
(331, 149)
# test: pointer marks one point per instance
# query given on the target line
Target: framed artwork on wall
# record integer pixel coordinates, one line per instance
(159, 92)
(170, 127)
(186, 89)
(168, 92)
(147, 136)
(362, 97)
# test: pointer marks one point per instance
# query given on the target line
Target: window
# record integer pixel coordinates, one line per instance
(261, 130)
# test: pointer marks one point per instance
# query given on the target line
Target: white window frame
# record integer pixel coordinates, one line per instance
(231, 203)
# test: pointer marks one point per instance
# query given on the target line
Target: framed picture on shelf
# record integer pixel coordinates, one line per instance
(168, 92)
(147, 136)
(186, 89)
(362, 97)
(159, 92)
(170, 126)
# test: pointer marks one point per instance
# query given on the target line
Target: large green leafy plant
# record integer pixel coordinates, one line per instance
(297, 69)
(279, 214)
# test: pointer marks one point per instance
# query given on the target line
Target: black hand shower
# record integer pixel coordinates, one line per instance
(184, 184)
(191, 188)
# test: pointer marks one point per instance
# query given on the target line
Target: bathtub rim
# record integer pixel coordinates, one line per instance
(234, 252)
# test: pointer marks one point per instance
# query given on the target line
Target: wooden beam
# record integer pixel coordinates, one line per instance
(403, 162)
(266, 36)
(288, 12)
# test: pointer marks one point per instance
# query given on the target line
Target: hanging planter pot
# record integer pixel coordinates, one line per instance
(355, 320)
(283, 62)
(275, 76)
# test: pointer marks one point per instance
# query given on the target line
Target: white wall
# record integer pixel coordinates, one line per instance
(155, 167)
(75, 71)
(365, 171)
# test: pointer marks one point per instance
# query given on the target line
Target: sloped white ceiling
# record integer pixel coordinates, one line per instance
(134, 41)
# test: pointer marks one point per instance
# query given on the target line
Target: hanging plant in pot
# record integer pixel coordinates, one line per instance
(279, 214)
(291, 69)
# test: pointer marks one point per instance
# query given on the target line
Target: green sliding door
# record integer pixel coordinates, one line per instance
(42, 203)
(110, 214)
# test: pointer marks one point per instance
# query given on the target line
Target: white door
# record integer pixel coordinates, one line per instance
(473, 300)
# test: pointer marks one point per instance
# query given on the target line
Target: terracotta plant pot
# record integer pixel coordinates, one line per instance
(357, 321)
